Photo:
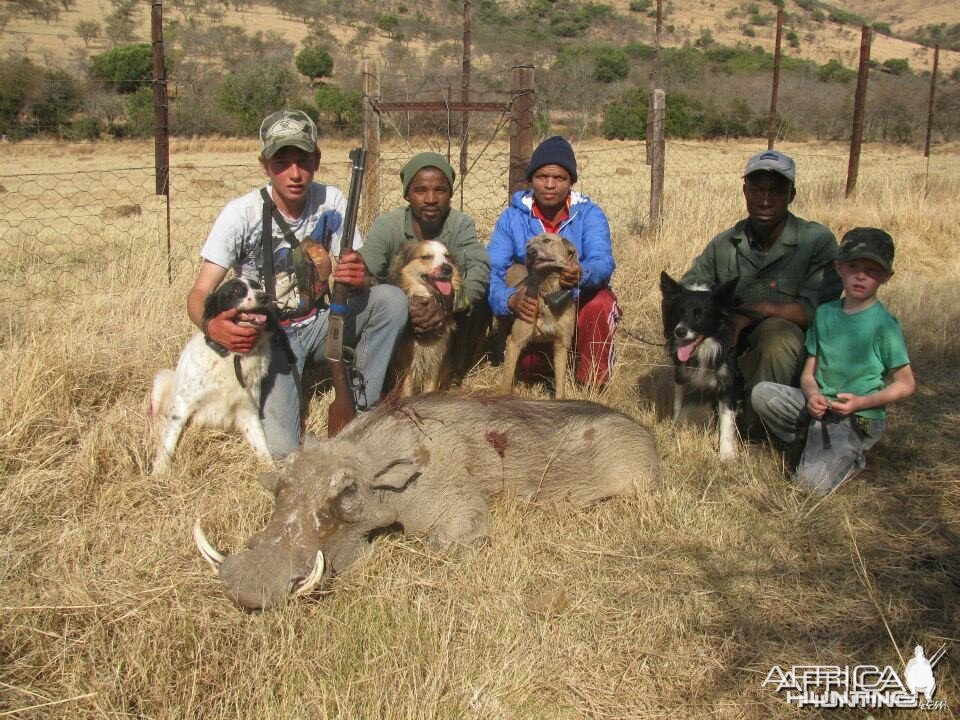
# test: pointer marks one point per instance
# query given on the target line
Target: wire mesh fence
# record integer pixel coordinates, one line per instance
(93, 233)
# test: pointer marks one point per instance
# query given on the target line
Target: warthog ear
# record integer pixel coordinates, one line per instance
(396, 475)
(270, 480)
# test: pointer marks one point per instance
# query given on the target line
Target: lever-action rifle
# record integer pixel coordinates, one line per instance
(342, 409)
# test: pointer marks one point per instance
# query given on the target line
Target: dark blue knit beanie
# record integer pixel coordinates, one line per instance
(553, 151)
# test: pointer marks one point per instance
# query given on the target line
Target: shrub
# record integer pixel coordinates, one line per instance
(140, 113)
(256, 90)
(389, 23)
(127, 68)
(639, 5)
(626, 119)
(882, 28)
(834, 71)
(636, 49)
(342, 106)
(748, 31)
(567, 26)
(897, 66)
(17, 79)
(314, 62)
(610, 64)
(56, 100)
(85, 128)
(705, 40)
(88, 31)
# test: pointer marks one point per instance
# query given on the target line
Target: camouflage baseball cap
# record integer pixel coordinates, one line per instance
(773, 161)
(287, 128)
(869, 244)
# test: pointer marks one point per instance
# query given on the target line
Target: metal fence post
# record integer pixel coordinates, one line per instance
(859, 101)
(522, 112)
(371, 141)
(772, 126)
(933, 91)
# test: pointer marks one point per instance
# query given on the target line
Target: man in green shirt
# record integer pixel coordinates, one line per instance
(784, 265)
(428, 188)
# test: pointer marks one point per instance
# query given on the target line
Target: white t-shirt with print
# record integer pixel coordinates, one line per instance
(234, 239)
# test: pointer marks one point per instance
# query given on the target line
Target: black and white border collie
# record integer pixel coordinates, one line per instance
(213, 386)
(698, 325)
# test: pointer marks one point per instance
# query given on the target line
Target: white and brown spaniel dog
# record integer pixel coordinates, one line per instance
(213, 386)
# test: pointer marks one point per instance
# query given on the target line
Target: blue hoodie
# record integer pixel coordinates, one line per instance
(587, 228)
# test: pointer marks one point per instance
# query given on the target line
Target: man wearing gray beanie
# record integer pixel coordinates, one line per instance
(427, 180)
(552, 205)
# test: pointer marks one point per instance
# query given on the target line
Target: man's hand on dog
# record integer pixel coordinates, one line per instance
(524, 306)
(351, 270)
(426, 315)
(570, 275)
(223, 330)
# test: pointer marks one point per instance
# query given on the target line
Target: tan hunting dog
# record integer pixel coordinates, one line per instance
(426, 269)
(547, 254)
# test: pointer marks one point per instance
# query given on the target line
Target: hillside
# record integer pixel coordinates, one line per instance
(729, 21)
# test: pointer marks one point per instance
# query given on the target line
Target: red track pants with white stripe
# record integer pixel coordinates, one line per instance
(597, 318)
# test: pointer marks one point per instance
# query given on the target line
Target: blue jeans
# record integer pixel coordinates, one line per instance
(372, 325)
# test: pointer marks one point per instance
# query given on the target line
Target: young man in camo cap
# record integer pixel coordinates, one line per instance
(784, 265)
(854, 347)
(301, 208)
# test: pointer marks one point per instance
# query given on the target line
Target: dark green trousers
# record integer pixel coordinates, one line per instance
(771, 351)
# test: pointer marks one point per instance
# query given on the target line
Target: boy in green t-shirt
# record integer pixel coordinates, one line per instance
(852, 345)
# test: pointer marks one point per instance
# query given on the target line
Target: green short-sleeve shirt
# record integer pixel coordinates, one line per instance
(855, 352)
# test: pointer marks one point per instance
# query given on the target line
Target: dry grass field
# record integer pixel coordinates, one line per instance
(673, 605)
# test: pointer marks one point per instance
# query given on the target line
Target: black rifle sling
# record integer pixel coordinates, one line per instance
(266, 246)
(270, 211)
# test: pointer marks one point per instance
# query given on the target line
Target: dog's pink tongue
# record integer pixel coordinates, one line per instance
(444, 287)
(685, 351)
(258, 318)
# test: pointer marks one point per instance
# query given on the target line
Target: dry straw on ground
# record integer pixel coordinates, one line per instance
(673, 605)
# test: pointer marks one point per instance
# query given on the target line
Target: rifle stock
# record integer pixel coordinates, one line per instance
(342, 409)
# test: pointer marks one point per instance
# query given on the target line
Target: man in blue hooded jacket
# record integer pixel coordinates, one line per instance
(551, 205)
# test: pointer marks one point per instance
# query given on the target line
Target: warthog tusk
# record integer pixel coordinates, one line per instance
(207, 550)
(313, 578)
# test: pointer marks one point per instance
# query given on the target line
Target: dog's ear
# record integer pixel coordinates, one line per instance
(726, 293)
(669, 286)
(570, 248)
(404, 255)
(211, 306)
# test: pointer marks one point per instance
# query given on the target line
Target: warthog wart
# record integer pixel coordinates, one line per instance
(431, 465)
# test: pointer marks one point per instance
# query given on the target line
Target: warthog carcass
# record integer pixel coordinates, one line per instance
(430, 465)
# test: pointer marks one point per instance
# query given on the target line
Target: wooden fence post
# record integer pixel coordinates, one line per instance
(370, 200)
(658, 153)
(652, 82)
(522, 112)
(161, 127)
(859, 101)
(772, 126)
